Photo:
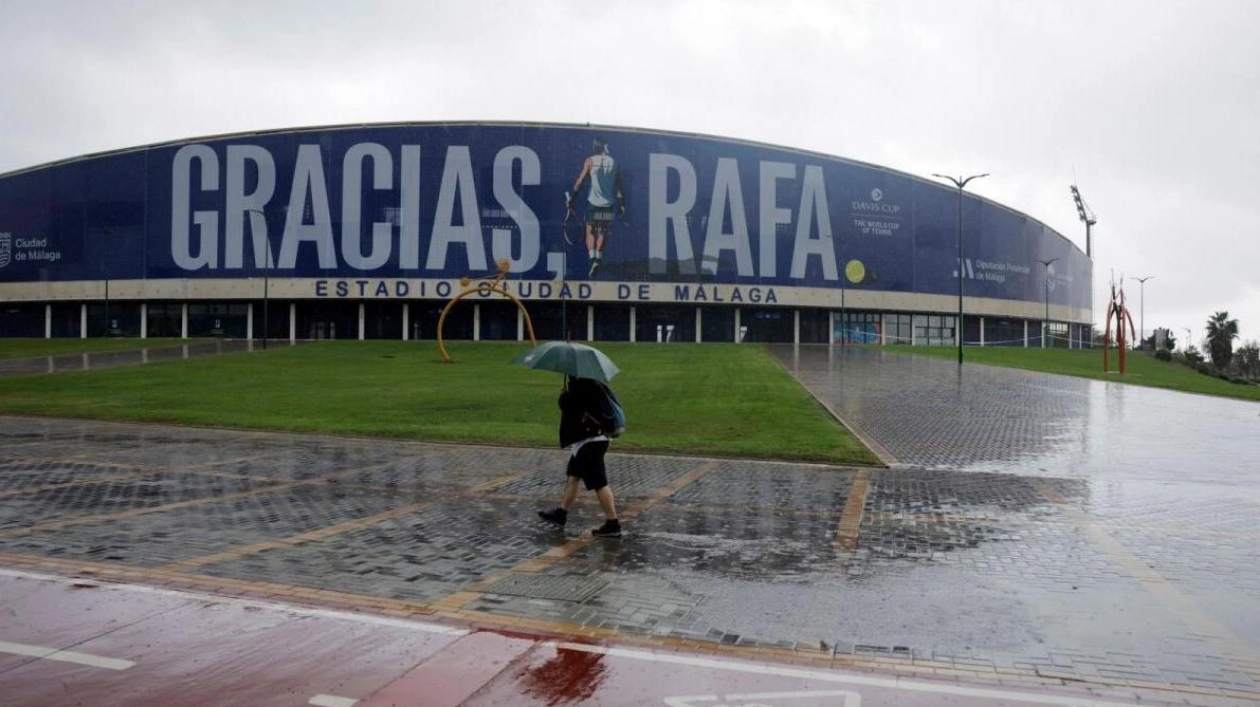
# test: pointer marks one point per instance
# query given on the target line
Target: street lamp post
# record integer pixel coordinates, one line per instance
(844, 333)
(267, 261)
(564, 298)
(1045, 323)
(105, 273)
(1142, 309)
(961, 183)
(844, 318)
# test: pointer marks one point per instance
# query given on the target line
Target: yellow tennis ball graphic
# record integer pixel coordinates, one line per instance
(855, 271)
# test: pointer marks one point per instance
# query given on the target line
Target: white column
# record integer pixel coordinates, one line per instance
(83, 321)
(1025, 333)
(362, 319)
(796, 326)
(737, 325)
(48, 321)
(632, 324)
(590, 322)
(406, 321)
(520, 324)
(144, 320)
(982, 331)
(476, 322)
(292, 322)
(183, 321)
(249, 321)
(699, 324)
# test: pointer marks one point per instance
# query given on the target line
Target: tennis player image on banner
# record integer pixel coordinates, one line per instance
(604, 195)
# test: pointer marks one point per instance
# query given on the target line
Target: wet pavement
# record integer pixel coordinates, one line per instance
(63, 363)
(132, 645)
(930, 413)
(1031, 532)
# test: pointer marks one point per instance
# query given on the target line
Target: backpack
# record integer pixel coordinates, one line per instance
(608, 413)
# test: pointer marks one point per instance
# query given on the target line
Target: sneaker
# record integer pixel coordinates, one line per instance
(557, 516)
(610, 529)
(594, 267)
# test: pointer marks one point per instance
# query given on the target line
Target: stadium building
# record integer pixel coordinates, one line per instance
(365, 231)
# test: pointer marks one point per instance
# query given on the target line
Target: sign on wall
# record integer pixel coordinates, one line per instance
(557, 202)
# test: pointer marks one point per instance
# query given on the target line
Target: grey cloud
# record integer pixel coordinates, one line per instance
(1152, 104)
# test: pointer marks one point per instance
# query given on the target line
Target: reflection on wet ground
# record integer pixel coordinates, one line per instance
(1031, 525)
(63, 363)
(932, 413)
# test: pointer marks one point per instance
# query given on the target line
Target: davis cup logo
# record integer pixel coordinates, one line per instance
(6, 249)
(877, 194)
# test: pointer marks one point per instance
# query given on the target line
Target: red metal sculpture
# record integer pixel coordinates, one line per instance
(1121, 314)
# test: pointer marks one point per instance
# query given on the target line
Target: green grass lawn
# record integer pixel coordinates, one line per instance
(25, 348)
(1140, 368)
(715, 399)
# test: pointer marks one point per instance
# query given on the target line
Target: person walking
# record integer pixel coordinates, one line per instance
(581, 430)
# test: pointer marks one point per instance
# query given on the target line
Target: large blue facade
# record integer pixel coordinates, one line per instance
(435, 201)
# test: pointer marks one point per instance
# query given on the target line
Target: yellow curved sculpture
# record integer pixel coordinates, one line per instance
(496, 285)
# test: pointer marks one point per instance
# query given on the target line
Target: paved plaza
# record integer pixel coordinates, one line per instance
(1029, 530)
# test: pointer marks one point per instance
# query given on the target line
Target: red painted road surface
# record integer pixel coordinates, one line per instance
(83, 643)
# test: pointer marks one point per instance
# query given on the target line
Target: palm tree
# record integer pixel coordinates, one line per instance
(1248, 359)
(1221, 332)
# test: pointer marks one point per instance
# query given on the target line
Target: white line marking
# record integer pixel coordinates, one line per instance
(95, 661)
(895, 683)
(331, 701)
(851, 699)
(272, 606)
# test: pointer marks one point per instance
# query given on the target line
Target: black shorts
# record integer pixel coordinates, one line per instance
(599, 217)
(588, 465)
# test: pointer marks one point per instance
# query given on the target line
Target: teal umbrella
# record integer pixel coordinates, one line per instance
(569, 358)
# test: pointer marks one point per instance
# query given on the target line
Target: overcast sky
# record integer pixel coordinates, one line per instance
(1151, 107)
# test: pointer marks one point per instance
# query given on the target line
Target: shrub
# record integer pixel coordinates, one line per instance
(1163, 355)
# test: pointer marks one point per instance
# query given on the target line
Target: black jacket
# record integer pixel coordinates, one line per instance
(576, 401)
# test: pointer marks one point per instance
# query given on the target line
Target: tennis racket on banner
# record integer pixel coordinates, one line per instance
(573, 224)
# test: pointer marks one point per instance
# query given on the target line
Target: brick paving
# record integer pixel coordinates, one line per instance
(1030, 529)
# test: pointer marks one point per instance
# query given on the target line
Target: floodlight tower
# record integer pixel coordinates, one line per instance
(1087, 216)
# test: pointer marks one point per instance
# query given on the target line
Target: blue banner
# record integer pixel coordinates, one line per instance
(442, 201)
